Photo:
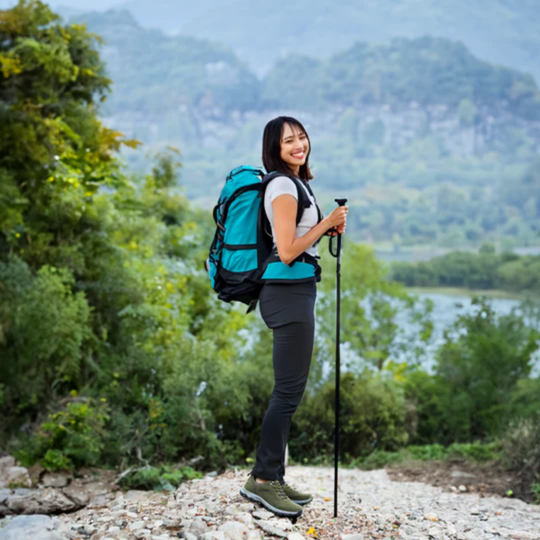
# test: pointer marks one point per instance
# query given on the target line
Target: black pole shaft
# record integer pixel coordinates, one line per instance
(336, 441)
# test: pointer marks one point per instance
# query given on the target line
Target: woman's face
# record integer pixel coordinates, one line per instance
(294, 147)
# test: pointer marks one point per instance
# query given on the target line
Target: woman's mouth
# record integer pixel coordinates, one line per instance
(298, 155)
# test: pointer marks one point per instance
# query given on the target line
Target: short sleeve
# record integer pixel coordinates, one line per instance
(281, 185)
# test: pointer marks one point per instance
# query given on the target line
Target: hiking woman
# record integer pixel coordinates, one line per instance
(287, 305)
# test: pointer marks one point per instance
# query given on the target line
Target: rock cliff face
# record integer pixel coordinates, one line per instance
(465, 131)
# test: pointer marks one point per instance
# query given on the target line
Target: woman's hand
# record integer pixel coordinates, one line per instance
(337, 220)
(340, 229)
(337, 217)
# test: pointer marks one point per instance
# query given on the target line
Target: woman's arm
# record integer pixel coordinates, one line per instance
(289, 247)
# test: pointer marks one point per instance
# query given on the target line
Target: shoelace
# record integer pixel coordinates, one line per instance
(278, 488)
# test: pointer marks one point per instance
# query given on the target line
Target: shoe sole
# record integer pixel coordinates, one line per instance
(283, 513)
(305, 501)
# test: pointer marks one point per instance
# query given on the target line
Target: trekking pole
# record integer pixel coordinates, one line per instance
(341, 202)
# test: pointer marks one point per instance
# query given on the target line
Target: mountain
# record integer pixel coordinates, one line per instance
(501, 31)
(154, 73)
(422, 135)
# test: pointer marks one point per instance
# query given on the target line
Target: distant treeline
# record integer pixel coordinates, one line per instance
(483, 270)
(151, 69)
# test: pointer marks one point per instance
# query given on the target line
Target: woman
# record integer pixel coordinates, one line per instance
(288, 308)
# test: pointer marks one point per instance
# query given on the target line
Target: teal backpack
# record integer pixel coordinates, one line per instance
(242, 257)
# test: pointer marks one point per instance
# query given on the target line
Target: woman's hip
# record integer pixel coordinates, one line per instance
(283, 303)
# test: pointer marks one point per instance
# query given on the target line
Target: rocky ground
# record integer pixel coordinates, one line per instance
(370, 506)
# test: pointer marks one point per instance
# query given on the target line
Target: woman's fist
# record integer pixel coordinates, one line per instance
(338, 216)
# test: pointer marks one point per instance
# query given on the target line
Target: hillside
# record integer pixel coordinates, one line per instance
(153, 72)
(424, 137)
(498, 31)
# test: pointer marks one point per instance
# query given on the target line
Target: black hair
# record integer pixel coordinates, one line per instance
(271, 148)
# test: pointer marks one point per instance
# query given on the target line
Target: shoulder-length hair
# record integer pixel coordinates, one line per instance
(271, 148)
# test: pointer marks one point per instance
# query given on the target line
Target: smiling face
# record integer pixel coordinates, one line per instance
(294, 147)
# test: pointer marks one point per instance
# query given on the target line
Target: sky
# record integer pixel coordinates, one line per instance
(83, 5)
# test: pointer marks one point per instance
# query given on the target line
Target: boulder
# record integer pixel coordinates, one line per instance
(41, 501)
(37, 527)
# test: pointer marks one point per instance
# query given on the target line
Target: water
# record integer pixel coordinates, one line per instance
(446, 308)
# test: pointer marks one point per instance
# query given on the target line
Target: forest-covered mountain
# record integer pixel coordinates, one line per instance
(423, 137)
(500, 31)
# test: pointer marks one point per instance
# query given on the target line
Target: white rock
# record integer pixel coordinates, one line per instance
(234, 530)
(244, 517)
(214, 535)
(262, 514)
(295, 536)
(198, 526)
(18, 476)
(268, 527)
(136, 525)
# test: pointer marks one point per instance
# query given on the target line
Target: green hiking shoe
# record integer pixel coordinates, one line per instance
(296, 496)
(272, 496)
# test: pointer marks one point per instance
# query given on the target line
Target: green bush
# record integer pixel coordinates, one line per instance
(483, 358)
(73, 437)
(427, 452)
(372, 417)
(378, 460)
(160, 478)
(475, 451)
(521, 452)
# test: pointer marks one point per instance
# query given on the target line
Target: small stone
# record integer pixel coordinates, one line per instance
(141, 533)
(87, 529)
(295, 536)
(132, 515)
(233, 529)
(198, 526)
(462, 488)
(113, 530)
(355, 536)
(55, 479)
(521, 535)
(262, 514)
(244, 517)
(136, 525)
(18, 476)
(214, 535)
(135, 495)
(431, 516)
(268, 527)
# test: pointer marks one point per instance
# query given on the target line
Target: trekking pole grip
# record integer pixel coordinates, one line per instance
(341, 201)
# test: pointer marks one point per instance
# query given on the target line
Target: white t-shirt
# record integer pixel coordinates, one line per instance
(279, 186)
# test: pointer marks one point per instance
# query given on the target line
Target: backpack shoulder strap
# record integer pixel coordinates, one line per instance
(303, 200)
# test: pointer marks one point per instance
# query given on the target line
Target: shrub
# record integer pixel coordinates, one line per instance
(73, 437)
(160, 478)
(521, 452)
(371, 417)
